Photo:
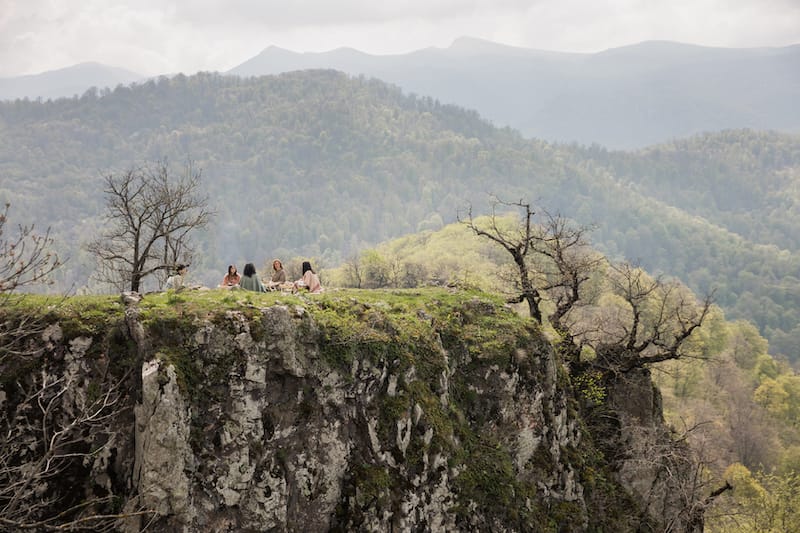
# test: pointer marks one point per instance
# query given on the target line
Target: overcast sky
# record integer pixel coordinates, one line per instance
(165, 36)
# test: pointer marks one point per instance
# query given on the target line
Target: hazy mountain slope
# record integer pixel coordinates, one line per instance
(626, 97)
(724, 211)
(65, 82)
(319, 164)
(308, 162)
(744, 181)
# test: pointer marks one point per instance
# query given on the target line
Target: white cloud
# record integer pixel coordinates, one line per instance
(279, 15)
(157, 36)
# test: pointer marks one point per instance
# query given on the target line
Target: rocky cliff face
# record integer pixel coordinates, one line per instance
(387, 412)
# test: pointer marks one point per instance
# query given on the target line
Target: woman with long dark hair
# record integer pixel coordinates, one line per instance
(250, 279)
(231, 279)
(309, 281)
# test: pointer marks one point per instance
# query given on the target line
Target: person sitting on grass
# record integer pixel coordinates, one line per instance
(250, 279)
(309, 281)
(278, 275)
(231, 279)
(177, 282)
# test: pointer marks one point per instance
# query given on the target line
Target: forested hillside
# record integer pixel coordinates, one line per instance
(624, 97)
(730, 207)
(319, 164)
(311, 162)
(736, 405)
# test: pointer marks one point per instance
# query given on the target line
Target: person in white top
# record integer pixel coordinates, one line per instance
(176, 281)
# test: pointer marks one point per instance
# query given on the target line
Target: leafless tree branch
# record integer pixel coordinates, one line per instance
(554, 265)
(26, 259)
(53, 430)
(149, 216)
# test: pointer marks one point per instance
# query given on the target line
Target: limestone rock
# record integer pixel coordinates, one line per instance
(262, 420)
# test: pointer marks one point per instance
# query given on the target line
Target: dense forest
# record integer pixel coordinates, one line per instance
(730, 208)
(738, 406)
(319, 164)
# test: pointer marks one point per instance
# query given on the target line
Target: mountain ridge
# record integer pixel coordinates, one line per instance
(66, 82)
(625, 97)
(277, 152)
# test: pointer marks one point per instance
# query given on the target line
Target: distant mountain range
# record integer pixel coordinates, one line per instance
(625, 97)
(318, 164)
(620, 98)
(66, 82)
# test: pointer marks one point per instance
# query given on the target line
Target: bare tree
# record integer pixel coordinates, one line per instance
(52, 429)
(353, 271)
(554, 263)
(51, 437)
(518, 243)
(570, 264)
(658, 318)
(671, 476)
(639, 320)
(26, 259)
(551, 254)
(150, 215)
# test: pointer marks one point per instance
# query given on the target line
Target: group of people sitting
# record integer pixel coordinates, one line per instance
(250, 281)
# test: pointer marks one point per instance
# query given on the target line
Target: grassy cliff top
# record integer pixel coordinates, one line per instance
(208, 303)
(344, 317)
